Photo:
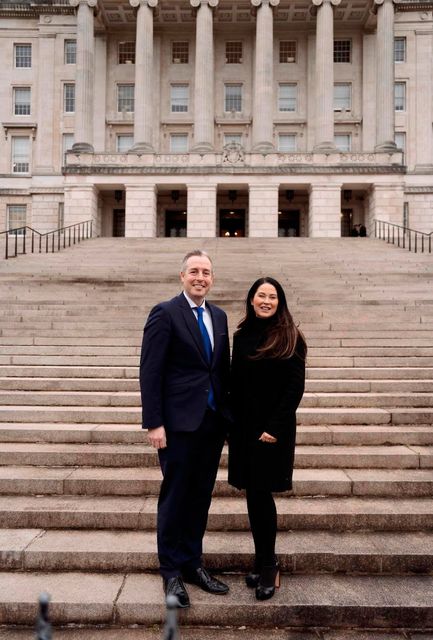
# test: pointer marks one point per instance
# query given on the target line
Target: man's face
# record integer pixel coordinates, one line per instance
(197, 278)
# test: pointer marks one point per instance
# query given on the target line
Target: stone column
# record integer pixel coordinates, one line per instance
(324, 215)
(385, 203)
(84, 76)
(143, 92)
(81, 204)
(263, 211)
(423, 97)
(201, 220)
(324, 75)
(385, 110)
(45, 110)
(204, 105)
(140, 211)
(263, 97)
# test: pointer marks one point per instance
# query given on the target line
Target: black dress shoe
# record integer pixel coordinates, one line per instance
(175, 587)
(205, 581)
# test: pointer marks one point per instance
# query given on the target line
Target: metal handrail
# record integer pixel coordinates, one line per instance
(403, 236)
(66, 236)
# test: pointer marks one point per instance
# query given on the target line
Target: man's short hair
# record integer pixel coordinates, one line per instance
(195, 252)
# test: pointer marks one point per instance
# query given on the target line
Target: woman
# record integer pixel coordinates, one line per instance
(268, 376)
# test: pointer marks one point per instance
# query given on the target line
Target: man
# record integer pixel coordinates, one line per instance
(184, 372)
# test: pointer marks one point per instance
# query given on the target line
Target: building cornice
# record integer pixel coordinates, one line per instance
(34, 8)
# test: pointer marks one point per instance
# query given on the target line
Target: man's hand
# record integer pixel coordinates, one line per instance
(266, 437)
(157, 437)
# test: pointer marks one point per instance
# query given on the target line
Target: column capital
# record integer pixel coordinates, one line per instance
(90, 3)
(141, 3)
(197, 3)
(272, 3)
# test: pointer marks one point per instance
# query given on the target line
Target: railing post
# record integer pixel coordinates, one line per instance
(33, 241)
(16, 243)
(46, 244)
(416, 241)
(58, 240)
(429, 243)
(24, 241)
(91, 228)
(393, 234)
(422, 243)
(74, 234)
(7, 246)
(64, 238)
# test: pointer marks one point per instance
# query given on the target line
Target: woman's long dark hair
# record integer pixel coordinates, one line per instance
(283, 336)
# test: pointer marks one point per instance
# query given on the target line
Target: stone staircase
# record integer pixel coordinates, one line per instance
(78, 481)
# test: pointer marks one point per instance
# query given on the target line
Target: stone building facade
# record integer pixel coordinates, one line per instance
(203, 118)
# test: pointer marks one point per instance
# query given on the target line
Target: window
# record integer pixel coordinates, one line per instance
(287, 51)
(342, 97)
(233, 52)
(22, 101)
(20, 154)
(17, 217)
(179, 98)
(70, 51)
(124, 142)
(125, 98)
(178, 142)
(287, 142)
(23, 56)
(69, 97)
(230, 138)
(233, 97)
(67, 144)
(343, 141)
(126, 53)
(287, 97)
(400, 96)
(61, 215)
(180, 52)
(399, 49)
(342, 51)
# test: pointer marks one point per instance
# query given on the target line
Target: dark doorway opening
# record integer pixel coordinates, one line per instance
(346, 223)
(175, 224)
(118, 223)
(232, 223)
(289, 223)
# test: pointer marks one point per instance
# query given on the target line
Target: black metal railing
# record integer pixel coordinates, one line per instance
(27, 240)
(403, 237)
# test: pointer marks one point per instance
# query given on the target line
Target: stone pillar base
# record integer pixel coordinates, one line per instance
(263, 211)
(324, 217)
(82, 147)
(263, 147)
(388, 146)
(203, 147)
(385, 203)
(81, 204)
(140, 211)
(325, 147)
(201, 219)
(141, 147)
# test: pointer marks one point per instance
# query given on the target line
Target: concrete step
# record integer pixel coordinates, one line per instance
(302, 601)
(226, 513)
(133, 481)
(299, 552)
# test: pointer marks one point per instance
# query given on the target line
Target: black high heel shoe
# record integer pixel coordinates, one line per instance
(269, 580)
(252, 579)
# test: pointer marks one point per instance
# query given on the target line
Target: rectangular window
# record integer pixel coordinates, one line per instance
(178, 143)
(69, 97)
(343, 141)
(124, 142)
(287, 142)
(233, 52)
(179, 98)
(20, 154)
(70, 51)
(22, 101)
(126, 53)
(233, 97)
(400, 96)
(125, 98)
(287, 51)
(287, 97)
(232, 138)
(342, 97)
(399, 49)
(17, 217)
(67, 144)
(180, 52)
(23, 56)
(342, 51)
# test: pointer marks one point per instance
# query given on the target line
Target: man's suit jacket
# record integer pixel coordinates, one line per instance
(174, 372)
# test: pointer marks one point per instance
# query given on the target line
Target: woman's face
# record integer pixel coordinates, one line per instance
(265, 301)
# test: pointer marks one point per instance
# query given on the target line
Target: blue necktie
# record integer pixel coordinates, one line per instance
(208, 350)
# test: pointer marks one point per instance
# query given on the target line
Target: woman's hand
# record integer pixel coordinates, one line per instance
(266, 437)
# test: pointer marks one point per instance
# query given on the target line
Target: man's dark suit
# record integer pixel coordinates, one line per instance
(175, 379)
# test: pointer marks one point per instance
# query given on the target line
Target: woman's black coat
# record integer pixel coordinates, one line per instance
(265, 395)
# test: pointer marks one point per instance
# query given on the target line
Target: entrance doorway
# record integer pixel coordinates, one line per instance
(175, 224)
(232, 223)
(346, 222)
(289, 223)
(118, 223)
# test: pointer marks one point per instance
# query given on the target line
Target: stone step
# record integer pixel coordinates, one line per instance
(340, 513)
(299, 552)
(313, 601)
(133, 481)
